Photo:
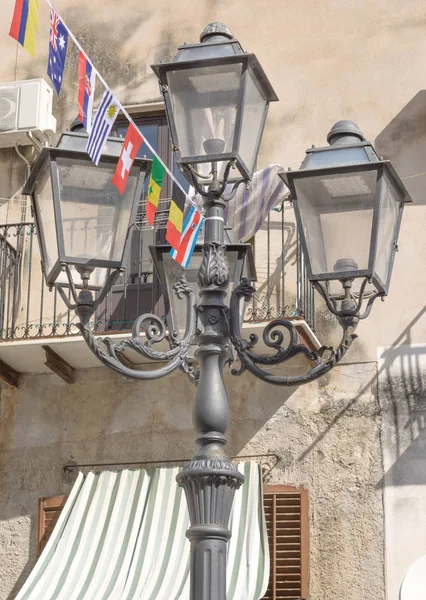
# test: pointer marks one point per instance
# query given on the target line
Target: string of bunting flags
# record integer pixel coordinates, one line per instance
(181, 236)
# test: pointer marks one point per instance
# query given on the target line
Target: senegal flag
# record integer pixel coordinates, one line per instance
(154, 189)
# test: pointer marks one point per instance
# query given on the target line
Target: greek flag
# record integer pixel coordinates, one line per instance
(102, 125)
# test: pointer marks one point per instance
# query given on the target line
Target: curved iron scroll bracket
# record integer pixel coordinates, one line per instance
(355, 304)
(194, 177)
(110, 353)
(83, 297)
(322, 360)
(234, 189)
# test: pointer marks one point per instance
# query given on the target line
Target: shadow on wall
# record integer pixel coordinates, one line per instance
(403, 141)
(29, 565)
(402, 380)
(407, 396)
(402, 387)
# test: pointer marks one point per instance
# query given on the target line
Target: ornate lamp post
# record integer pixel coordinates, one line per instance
(216, 100)
(240, 263)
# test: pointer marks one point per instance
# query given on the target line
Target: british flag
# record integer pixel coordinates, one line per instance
(54, 22)
(58, 42)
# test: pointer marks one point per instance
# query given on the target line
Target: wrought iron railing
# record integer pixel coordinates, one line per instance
(29, 310)
(282, 289)
(10, 267)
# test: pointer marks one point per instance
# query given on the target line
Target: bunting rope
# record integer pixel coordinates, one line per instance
(180, 234)
(123, 110)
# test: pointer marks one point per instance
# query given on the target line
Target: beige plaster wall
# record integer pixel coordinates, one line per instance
(327, 61)
(326, 436)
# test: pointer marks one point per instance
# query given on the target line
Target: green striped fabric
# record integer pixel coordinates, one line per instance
(121, 536)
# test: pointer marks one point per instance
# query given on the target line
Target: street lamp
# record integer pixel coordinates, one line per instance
(348, 205)
(216, 101)
(83, 222)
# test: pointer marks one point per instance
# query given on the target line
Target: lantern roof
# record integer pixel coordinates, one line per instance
(347, 147)
(216, 44)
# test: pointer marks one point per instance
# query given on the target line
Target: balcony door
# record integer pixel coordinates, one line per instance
(137, 291)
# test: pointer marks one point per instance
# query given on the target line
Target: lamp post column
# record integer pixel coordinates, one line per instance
(210, 479)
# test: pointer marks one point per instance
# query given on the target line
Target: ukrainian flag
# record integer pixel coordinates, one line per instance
(24, 24)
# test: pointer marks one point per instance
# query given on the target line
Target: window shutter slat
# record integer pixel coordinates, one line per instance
(49, 510)
(287, 523)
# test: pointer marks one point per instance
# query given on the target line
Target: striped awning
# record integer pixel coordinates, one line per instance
(121, 536)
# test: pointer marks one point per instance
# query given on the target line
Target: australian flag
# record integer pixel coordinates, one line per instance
(58, 42)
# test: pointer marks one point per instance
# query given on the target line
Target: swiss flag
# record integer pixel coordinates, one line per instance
(131, 145)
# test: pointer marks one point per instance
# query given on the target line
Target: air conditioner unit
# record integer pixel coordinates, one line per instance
(26, 112)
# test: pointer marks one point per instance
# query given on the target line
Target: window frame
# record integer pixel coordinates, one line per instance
(155, 117)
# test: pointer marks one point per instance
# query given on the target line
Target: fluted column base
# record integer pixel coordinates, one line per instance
(209, 483)
(208, 561)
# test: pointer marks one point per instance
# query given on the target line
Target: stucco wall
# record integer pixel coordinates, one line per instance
(327, 61)
(326, 436)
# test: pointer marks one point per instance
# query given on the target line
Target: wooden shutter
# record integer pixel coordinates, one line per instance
(49, 510)
(287, 522)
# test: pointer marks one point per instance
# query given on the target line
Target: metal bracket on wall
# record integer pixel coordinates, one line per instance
(8, 375)
(59, 365)
(267, 467)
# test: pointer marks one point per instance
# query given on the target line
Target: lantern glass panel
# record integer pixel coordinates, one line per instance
(173, 271)
(252, 120)
(336, 211)
(95, 217)
(46, 217)
(205, 105)
(96, 282)
(389, 209)
(47, 232)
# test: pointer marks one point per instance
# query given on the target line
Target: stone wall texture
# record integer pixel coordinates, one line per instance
(325, 435)
(329, 60)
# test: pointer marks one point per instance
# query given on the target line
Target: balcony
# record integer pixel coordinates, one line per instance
(32, 317)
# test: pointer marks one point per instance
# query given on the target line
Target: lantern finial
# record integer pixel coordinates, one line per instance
(345, 132)
(215, 32)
